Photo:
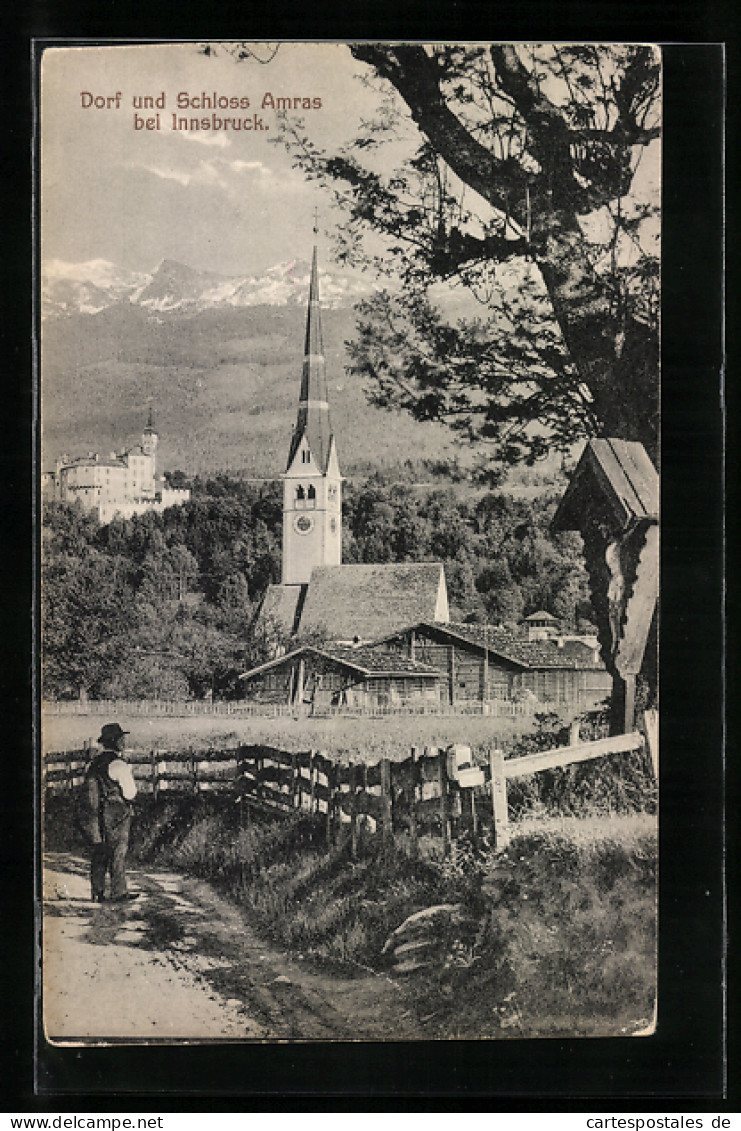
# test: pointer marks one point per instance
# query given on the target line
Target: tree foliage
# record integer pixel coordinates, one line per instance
(163, 605)
(518, 186)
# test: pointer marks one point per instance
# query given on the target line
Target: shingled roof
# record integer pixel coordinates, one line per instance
(281, 607)
(364, 602)
(533, 654)
(366, 661)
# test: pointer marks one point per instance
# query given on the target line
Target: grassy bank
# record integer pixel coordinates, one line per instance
(556, 936)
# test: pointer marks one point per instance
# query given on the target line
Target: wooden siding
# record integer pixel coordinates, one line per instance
(467, 675)
(327, 684)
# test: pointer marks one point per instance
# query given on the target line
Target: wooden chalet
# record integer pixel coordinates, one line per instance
(482, 663)
(316, 679)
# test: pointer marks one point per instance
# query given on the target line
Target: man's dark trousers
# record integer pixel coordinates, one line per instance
(110, 853)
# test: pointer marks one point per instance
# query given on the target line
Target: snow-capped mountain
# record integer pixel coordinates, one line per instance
(90, 287)
(85, 288)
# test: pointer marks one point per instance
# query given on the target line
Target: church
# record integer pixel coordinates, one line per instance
(346, 604)
(379, 637)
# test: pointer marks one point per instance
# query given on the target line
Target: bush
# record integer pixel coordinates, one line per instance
(615, 783)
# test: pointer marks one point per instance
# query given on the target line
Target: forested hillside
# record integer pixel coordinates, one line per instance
(161, 605)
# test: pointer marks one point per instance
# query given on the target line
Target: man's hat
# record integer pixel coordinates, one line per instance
(111, 732)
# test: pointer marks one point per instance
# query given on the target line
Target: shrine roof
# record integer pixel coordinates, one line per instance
(619, 471)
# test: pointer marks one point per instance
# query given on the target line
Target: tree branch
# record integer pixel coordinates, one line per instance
(416, 76)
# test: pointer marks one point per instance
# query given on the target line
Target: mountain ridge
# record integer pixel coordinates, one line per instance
(93, 285)
(222, 378)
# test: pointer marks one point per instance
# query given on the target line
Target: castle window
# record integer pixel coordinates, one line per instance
(305, 456)
(312, 495)
(300, 494)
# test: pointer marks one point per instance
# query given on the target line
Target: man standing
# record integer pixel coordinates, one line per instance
(109, 789)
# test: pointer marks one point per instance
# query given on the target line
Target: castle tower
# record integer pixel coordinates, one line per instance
(312, 484)
(148, 469)
(150, 438)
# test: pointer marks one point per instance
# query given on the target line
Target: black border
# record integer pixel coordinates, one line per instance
(683, 1063)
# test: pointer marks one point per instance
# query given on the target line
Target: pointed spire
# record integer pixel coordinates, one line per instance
(313, 409)
(150, 421)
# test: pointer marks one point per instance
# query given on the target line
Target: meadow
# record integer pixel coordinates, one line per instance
(347, 737)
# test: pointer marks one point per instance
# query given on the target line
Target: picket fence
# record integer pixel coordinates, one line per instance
(119, 708)
(437, 792)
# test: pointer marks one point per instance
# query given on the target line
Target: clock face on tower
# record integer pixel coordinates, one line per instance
(303, 524)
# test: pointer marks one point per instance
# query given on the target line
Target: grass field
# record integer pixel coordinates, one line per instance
(369, 738)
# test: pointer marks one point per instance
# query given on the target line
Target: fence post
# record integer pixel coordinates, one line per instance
(387, 811)
(295, 796)
(353, 811)
(329, 774)
(312, 782)
(499, 799)
(651, 730)
(474, 814)
(155, 776)
(442, 778)
(414, 776)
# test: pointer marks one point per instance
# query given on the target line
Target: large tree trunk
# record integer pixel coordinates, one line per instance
(617, 358)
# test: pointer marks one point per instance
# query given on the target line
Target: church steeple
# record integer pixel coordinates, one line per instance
(313, 422)
(312, 510)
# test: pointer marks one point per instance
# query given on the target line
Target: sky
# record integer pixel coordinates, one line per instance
(215, 200)
(218, 201)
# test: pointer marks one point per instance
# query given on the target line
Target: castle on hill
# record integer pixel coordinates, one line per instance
(120, 486)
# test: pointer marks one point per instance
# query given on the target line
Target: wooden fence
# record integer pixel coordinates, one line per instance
(120, 708)
(432, 792)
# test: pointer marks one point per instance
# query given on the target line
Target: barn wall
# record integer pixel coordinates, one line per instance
(329, 684)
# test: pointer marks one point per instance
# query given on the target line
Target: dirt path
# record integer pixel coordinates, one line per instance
(181, 963)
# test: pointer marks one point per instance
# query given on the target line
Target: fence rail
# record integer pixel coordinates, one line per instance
(433, 791)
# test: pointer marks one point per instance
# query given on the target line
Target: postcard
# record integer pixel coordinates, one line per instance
(349, 374)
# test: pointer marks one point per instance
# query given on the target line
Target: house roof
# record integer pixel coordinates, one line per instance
(364, 602)
(366, 661)
(535, 654)
(541, 615)
(531, 653)
(622, 473)
(93, 461)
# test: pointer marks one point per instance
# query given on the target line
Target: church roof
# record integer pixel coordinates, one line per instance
(280, 608)
(313, 409)
(368, 601)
